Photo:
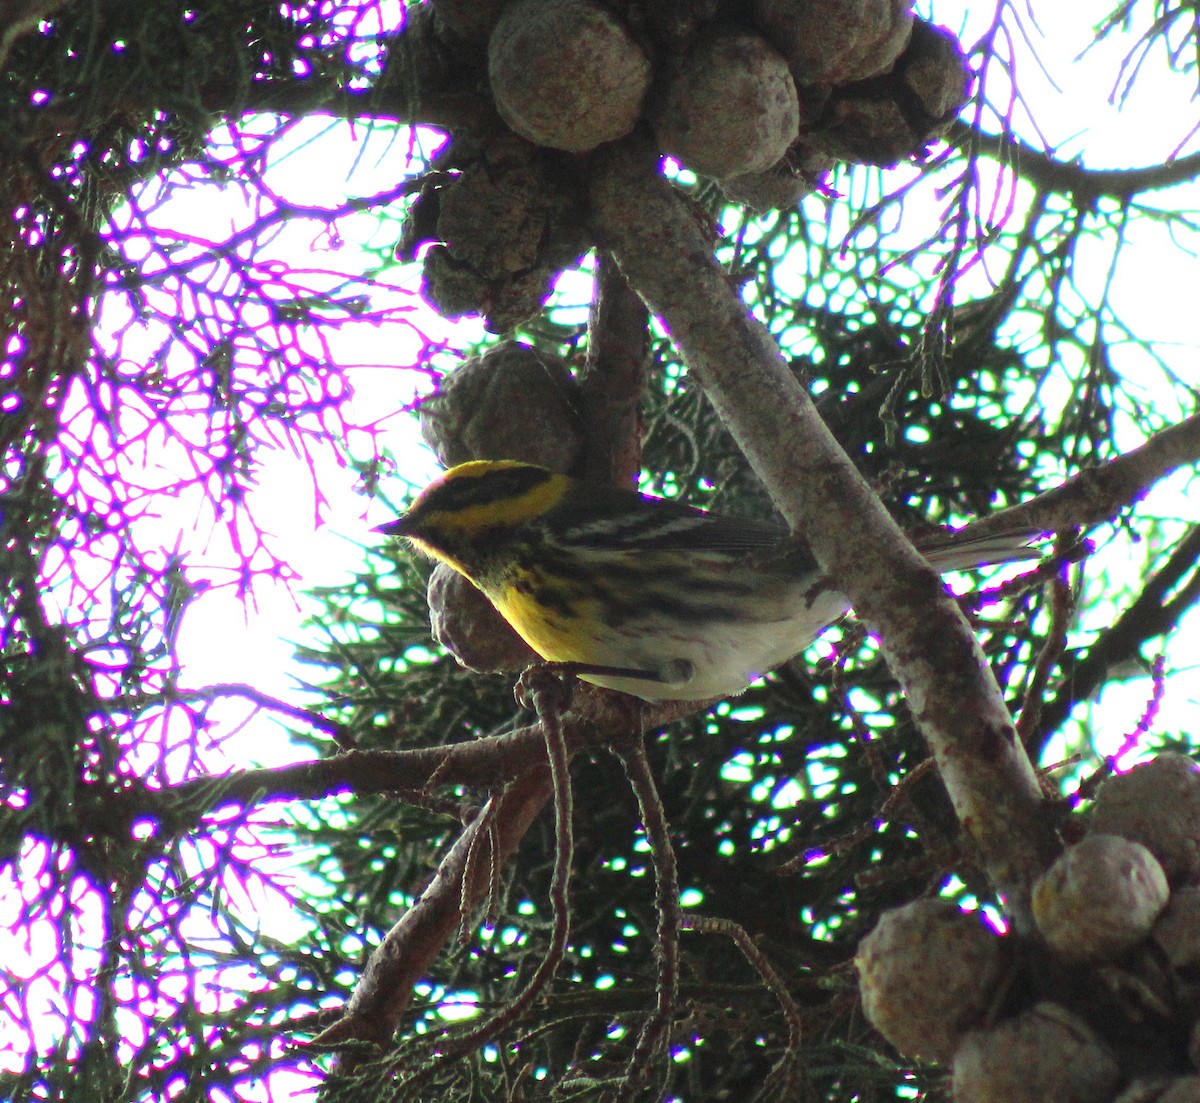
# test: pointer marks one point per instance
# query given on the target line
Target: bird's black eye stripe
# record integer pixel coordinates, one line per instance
(465, 492)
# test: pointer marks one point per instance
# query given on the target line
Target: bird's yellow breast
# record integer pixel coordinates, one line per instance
(551, 633)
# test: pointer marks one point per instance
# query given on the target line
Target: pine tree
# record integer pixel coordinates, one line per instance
(856, 294)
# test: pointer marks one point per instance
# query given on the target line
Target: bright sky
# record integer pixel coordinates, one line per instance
(220, 639)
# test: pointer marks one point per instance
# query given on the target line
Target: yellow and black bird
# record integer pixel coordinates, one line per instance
(639, 594)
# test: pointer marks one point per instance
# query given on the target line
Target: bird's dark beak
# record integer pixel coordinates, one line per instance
(398, 527)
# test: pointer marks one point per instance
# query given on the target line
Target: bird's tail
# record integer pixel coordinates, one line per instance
(956, 553)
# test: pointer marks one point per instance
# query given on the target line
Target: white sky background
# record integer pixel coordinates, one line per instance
(222, 641)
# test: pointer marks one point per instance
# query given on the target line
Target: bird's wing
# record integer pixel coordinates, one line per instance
(610, 519)
(620, 520)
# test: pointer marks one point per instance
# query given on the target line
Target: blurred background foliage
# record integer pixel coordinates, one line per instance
(957, 323)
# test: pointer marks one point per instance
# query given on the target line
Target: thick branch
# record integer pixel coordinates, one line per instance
(613, 378)
(666, 256)
(427, 81)
(595, 716)
(462, 879)
(424, 82)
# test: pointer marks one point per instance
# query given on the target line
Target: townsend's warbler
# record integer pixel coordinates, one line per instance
(639, 594)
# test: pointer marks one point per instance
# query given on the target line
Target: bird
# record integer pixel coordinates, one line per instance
(644, 595)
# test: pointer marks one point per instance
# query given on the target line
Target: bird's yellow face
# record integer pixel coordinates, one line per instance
(465, 513)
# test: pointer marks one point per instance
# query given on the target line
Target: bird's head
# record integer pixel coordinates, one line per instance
(471, 510)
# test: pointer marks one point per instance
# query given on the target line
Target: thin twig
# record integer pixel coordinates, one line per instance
(1149, 713)
(1156, 611)
(783, 1081)
(656, 1030)
(179, 696)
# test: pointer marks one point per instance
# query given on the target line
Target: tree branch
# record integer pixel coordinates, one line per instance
(424, 83)
(518, 759)
(594, 717)
(667, 257)
(613, 378)
(1045, 172)
(1100, 493)
(382, 993)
